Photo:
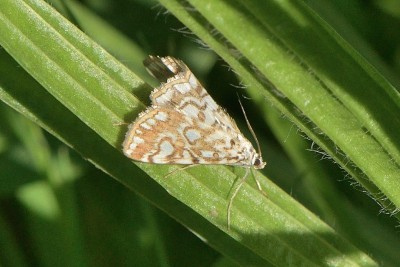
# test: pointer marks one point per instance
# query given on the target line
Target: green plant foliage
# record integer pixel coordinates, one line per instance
(75, 71)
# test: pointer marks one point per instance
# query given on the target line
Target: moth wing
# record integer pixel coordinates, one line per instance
(184, 92)
(167, 136)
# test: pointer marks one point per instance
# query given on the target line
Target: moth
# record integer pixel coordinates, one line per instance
(184, 125)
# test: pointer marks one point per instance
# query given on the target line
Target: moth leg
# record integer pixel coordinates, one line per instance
(258, 183)
(180, 169)
(228, 212)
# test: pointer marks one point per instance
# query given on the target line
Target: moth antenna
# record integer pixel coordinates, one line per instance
(250, 128)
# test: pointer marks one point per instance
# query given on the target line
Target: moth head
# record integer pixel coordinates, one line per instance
(257, 161)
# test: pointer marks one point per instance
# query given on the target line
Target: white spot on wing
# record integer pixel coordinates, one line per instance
(161, 116)
(137, 140)
(207, 153)
(193, 81)
(192, 135)
(186, 154)
(151, 121)
(209, 118)
(165, 97)
(166, 149)
(183, 88)
(145, 125)
(128, 152)
(191, 110)
(209, 102)
(132, 146)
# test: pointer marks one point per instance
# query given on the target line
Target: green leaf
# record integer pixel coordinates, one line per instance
(313, 86)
